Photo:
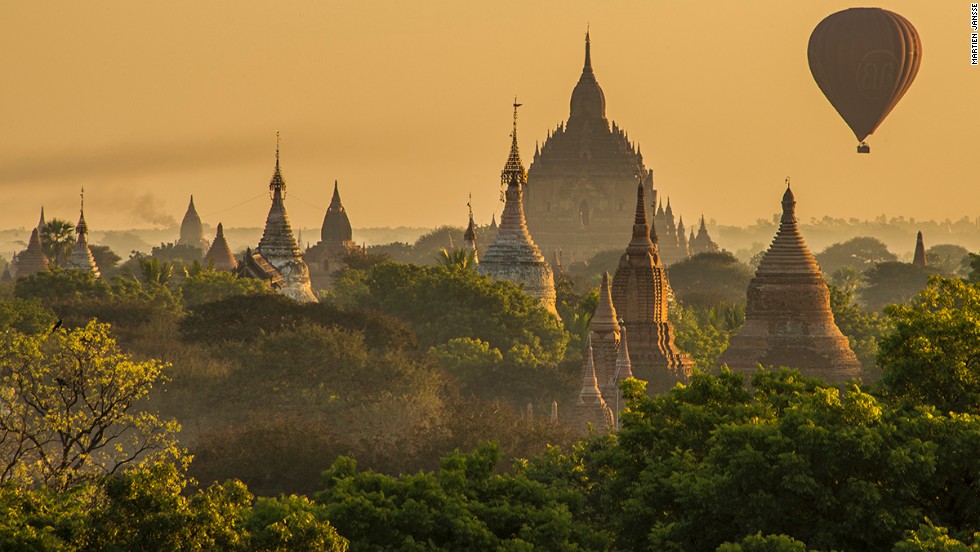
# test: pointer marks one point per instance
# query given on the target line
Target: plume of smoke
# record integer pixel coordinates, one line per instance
(149, 208)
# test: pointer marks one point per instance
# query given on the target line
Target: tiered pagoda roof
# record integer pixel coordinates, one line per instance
(788, 321)
(219, 254)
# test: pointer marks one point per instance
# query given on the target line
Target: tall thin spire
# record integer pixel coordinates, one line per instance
(514, 173)
(641, 242)
(588, 52)
(277, 185)
(81, 228)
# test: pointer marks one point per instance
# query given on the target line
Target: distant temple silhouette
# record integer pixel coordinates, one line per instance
(582, 180)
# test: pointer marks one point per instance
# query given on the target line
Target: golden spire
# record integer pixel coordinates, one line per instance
(277, 186)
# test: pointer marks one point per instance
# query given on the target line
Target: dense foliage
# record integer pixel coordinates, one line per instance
(420, 363)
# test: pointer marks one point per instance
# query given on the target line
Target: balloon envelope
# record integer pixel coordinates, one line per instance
(864, 60)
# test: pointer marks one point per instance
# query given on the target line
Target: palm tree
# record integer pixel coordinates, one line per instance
(455, 258)
(57, 239)
(152, 271)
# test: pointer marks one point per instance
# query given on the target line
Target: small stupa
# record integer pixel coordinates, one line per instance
(279, 247)
(640, 293)
(920, 251)
(591, 409)
(191, 229)
(336, 243)
(81, 256)
(32, 260)
(219, 254)
(513, 255)
(788, 321)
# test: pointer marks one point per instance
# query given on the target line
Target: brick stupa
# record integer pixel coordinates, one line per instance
(219, 254)
(32, 260)
(788, 321)
(640, 293)
(513, 255)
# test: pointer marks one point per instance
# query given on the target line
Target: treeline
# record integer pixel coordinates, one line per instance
(401, 367)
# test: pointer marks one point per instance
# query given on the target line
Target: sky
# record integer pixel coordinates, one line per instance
(408, 105)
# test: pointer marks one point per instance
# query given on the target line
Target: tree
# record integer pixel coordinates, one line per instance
(61, 284)
(105, 258)
(176, 253)
(207, 286)
(68, 408)
(949, 260)
(703, 332)
(442, 304)
(864, 328)
(710, 278)
(893, 282)
(451, 258)
(861, 253)
(462, 506)
(57, 240)
(933, 355)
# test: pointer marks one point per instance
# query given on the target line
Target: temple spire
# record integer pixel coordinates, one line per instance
(920, 251)
(277, 185)
(514, 173)
(604, 318)
(82, 226)
(588, 52)
(641, 242)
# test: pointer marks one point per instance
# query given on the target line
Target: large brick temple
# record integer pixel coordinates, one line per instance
(788, 321)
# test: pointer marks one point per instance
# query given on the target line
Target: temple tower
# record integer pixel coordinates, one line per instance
(513, 255)
(278, 246)
(336, 242)
(192, 230)
(469, 237)
(788, 321)
(623, 370)
(702, 243)
(81, 256)
(580, 184)
(682, 239)
(31, 260)
(219, 254)
(640, 294)
(920, 251)
(41, 224)
(591, 409)
(604, 336)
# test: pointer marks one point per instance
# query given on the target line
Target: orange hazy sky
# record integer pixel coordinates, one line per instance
(408, 105)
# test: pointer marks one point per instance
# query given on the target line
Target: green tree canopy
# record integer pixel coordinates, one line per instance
(933, 355)
(707, 279)
(57, 239)
(893, 282)
(443, 304)
(861, 253)
(949, 260)
(68, 408)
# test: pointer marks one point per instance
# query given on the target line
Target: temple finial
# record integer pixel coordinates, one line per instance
(278, 140)
(588, 51)
(787, 182)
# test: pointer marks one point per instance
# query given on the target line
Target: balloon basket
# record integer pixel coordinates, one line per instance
(864, 148)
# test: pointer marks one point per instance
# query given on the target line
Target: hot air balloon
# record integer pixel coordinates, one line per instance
(864, 60)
